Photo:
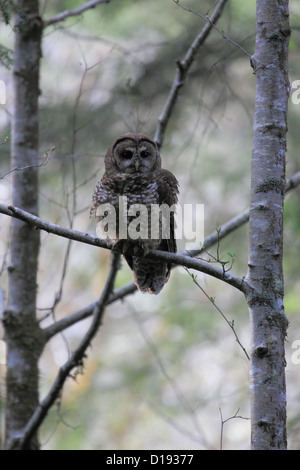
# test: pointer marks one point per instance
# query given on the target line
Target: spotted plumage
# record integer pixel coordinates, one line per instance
(133, 172)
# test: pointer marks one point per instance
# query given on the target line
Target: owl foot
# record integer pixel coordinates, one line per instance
(140, 250)
(128, 248)
(119, 246)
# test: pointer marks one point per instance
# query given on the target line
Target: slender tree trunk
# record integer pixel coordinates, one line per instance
(21, 329)
(265, 274)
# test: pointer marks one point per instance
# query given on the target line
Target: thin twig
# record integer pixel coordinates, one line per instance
(77, 11)
(183, 67)
(71, 212)
(76, 358)
(237, 221)
(4, 140)
(175, 424)
(217, 258)
(209, 21)
(235, 416)
(171, 380)
(48, 154)
(230, 324)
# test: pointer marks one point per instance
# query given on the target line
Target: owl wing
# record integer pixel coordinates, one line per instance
(167, 188)
(151, 275)
(106, 194)
(106, 191)
(98, 197)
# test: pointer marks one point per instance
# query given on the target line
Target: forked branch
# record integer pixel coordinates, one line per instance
(180, 259)
(75, 360)
(184, 66)
(226, 229)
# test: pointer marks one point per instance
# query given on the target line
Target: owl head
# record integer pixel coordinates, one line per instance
(132, 154)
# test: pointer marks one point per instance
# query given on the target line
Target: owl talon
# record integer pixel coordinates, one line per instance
(124, 247)
(118, 246)
(140, 250)
(127, 248)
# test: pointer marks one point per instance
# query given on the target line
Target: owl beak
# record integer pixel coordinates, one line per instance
(137, 165)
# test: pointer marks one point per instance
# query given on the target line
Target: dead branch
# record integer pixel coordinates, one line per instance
(229, 227)
(77, 11)
(183, 67)
(174, 258)
(75, 360)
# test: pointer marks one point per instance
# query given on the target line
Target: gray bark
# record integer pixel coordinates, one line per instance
(265, 274)
(22, 332)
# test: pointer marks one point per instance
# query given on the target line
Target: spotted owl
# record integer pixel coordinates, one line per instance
(134, 179)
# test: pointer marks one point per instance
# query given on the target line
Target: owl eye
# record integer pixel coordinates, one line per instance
(144, 154)
(126, 154)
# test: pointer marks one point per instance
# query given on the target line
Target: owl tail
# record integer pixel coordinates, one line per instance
(149, 275)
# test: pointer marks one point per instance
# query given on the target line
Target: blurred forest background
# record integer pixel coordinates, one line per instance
(164, 371)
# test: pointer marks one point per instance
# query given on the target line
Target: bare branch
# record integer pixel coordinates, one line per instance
(87, 311)
(237, 221)
(71, 212)
(41, 224)
(235, 416)
(293, 182)
(48, 154)
(183, 68)
(213, 238)
(174, 258)
(130, 288)
(76, 358)
(202, 266)
(77, 11)
(6, 138)
(229, 323)
(209, 21)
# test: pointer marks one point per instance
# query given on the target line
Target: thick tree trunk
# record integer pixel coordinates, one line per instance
(21, 329)
(265, 274)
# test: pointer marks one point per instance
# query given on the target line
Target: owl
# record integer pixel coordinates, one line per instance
(133, 185)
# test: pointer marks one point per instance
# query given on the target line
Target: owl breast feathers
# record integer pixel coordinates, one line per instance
(134, 204)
